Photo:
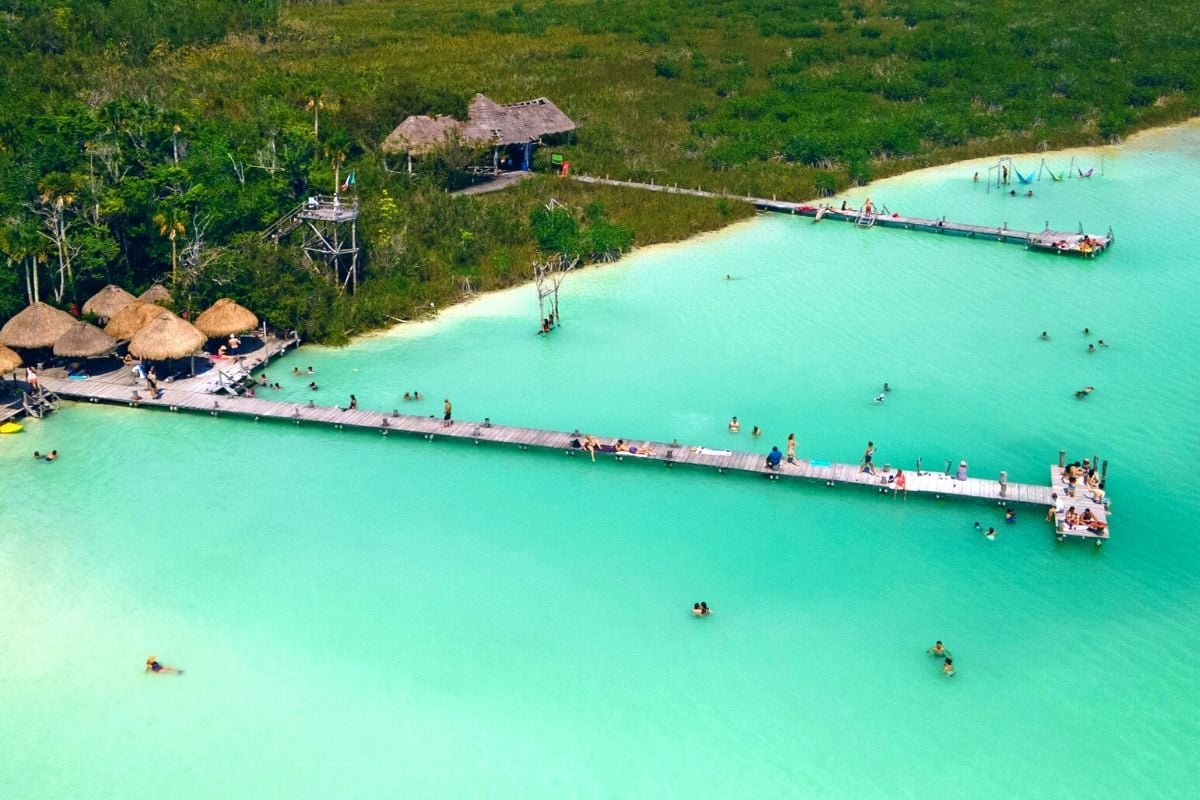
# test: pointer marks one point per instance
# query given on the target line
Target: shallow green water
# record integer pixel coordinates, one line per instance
(363, 616)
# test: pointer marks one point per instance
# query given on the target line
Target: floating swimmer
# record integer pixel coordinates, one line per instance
(152, 665)
(990, 535)
(1084, 392)
(938, 650)
(948, 667)
(879, 398)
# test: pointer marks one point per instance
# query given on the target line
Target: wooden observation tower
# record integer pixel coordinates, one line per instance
(328, 226)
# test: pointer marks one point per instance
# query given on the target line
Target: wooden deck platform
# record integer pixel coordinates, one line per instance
(1075, 243)
(177, 398)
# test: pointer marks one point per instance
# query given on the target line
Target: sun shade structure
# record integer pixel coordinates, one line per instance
(39, 325)
(108, 301)
(166, 336)
(131, 319)
(84, 340)
(225, 317)
(9, 360)
(157, 294)
(488, 123)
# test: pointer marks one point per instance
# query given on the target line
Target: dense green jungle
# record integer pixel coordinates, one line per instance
(154, 140)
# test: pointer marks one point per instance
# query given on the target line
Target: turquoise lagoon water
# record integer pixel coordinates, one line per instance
(362, 616)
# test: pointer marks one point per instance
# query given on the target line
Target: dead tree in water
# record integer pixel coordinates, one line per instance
(548, 275)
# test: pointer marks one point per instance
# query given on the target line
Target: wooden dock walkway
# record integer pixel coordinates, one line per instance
(1076, 243)
(177, 398)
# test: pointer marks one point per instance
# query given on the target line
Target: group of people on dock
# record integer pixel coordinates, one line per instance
(591, 445)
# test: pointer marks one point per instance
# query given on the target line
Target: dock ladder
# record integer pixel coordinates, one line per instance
(864, 220)
(39, 404)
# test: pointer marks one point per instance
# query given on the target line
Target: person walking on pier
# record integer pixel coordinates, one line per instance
(791, 448)
(446, 421)
(868, 457)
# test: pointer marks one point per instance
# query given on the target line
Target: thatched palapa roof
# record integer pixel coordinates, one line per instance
(488, 123)
(9, 360)
(107, 302)
(420, 134)
(167, 336)
(39, 325)
(131, 319)
(225, 317)
(84, 340)
(156, 294)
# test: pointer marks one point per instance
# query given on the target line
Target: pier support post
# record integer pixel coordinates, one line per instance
(1062, 458)
(1104, 471)
(1004, 483)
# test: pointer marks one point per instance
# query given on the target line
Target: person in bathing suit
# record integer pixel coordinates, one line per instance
(152, 665)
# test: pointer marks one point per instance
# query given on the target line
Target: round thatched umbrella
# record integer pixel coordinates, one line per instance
(8, 360)
(107, 302)
(131, 319)
(39, 325)
(157, 294)
(167, 336)
(225, 317)
(84, 340)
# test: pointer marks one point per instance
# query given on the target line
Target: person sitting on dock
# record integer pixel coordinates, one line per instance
(353, 403)
(234, 342)
(734, 425)
(1071, 518)
(1055, 509)
(251, 393)
(901, 484)
(961, 474)
(938, 650)
(773, 458)
(1084, 392)
(591, 444)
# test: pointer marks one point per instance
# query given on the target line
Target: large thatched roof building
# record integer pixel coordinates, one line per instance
(489, 124)
(132, 318)
(8, 360)
(225, 317)
(166, 336)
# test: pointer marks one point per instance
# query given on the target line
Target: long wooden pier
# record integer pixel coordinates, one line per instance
(1076, 243)
(933, 484)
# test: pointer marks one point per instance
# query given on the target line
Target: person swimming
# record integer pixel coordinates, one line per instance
(704, 609)
(879, 398)
(948, 667)
(1010, 515)
(152, 665)
(1045, 336)
(756, 431)
(1091, 348)
(978, 527)
(1084, 392)
(886, 388)
(991, 534)
(734, 425)
(938, 650)
(296, 371)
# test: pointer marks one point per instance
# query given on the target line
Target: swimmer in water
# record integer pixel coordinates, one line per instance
(1091, 348)
(1084, 392)
(938, 650)
(734, 425)
(879, 398)
(991, 534)
(948, 667)
(704, 609)
(728, 277)
(757, 431)
(1101, 343)
(886, 388)
(978, 527)
(1010, 515)
(152, 665)
(1086, 331)
(296, 371)
(697, 611)
(1045, 336)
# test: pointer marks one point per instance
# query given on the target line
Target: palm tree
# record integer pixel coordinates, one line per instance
(316, 102)
(22, 244)
(171, 226)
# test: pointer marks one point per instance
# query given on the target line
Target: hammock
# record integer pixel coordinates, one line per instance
(1022, 178)
(1057, 177)
(1087, 174)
